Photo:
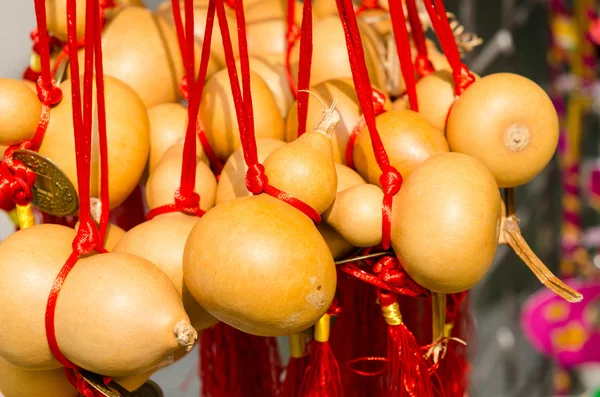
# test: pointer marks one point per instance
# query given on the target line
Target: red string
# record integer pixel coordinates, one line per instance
(187, 53)
(390, 179)
(88, 236)
(305, 63)
(185, 199)
(292, 35)
(256, 179)
(423, 65)
(16, 180)
(404, 52)
(463, 78)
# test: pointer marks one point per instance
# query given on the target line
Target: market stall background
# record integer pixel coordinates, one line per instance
(516, 35)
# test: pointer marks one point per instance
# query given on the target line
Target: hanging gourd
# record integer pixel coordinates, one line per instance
(217, 112)
(408, 138)
(100, 284)
(514, 132)
(164, 180)
(161, 241)
(20, 111)
(232, 182)
(127, 135)
(168, 123)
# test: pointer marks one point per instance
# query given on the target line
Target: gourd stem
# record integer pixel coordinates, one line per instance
(514, 238)
(330, 118)
(509, 200)
(438, 306)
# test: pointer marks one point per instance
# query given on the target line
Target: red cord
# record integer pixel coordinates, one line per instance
(378, 103)
(368, 5)
(423, 65)
(403, 50)
(187, 52)
(390, 179)
(88, 237)
(463, 78)
(292, 36)
(256, 179)
(16, 180)
(305, 63)
(185, 199)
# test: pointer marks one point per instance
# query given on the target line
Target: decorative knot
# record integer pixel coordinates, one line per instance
(189, 203)
(390, 181)
(49, 95)
(87, 238)
(423, 65)
(35, 38)
(463, 78)
(230, 3)
(256, 179)
(385, 273)
(84, 388)
(16, 180)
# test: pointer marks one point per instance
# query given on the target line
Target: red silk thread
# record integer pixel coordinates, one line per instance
(390, 179)
(256, 179)
(185, 199)
(88, 236)
(423, 65)
(404, 52)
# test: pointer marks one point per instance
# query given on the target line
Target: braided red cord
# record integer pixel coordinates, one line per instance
(390, 179)
(185, 199)
(305, 63)
(423, 65)
(463, 78)
(88, 237)
(403, 50)
(256, 179)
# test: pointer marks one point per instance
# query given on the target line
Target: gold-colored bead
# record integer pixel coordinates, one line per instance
(297, 344)
(25, 216)
(35, 63)
(392, 314)
(322, 328)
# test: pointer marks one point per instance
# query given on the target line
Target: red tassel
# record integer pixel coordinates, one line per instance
(322, 376)
(294, 372)
(407, 371)
(235, 364)
(359, 331)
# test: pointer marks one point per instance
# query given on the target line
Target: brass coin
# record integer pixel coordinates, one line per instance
(53, 192)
